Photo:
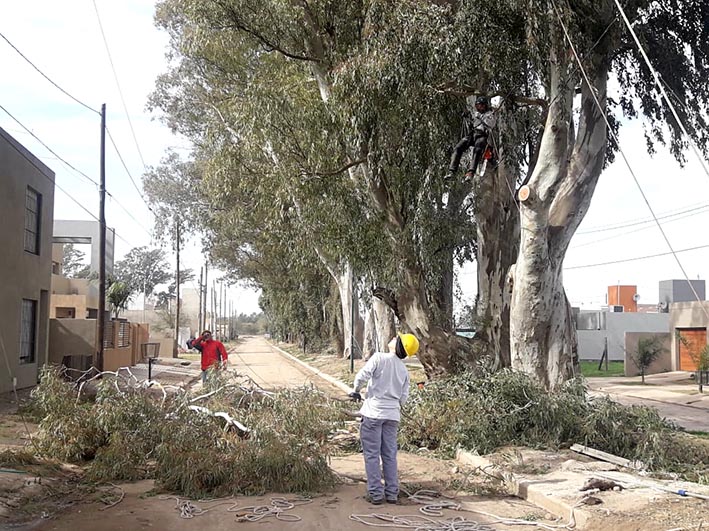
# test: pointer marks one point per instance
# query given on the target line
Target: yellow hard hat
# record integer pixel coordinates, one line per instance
(410, 344)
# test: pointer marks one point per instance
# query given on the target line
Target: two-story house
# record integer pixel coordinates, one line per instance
(26, 211)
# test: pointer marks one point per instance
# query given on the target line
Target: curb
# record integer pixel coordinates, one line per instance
(334, 381)
(533, 491)
(657, 400)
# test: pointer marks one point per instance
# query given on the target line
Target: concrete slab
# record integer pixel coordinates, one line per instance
(558, 492)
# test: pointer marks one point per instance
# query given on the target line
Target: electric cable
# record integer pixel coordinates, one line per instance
(625, 159)
(45, 76)
(118, 84)
(77, 100)
(663, 93)
(130, 176)
(77, 171)
(638, 258)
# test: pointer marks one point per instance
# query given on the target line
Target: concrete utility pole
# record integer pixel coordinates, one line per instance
(177, 282)
(102, 246)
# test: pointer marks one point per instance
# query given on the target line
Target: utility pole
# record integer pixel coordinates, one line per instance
(223, 301)
(177, 283)
(214, 306)
(203, 326)
(352, 323)
(102, 245)
(199, 314)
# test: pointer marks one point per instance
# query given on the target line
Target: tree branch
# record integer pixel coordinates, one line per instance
(450, 87)
(238, 24)
(389, 298)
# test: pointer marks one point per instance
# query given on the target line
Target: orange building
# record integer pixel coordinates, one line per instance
(625, 296)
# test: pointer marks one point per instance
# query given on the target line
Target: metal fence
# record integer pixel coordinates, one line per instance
(123, 334)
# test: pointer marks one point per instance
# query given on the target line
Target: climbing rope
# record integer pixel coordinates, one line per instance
(433, 504)
(189, 510)
(277, 509)
(419, 523)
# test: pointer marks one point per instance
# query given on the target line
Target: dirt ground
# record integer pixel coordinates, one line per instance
(53, 497)
(143, 509)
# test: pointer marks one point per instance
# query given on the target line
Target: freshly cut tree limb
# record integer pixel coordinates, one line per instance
(230, 421)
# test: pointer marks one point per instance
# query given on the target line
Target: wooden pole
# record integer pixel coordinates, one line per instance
(101, 317)
(177, 285)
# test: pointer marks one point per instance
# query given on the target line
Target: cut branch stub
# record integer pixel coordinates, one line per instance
(525, 193)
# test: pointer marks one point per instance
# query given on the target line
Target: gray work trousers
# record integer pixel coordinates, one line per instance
(379, 442)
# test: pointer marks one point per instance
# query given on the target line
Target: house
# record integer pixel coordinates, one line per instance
(27, 206)
(609, 328)
(688, 321)
(72, 298)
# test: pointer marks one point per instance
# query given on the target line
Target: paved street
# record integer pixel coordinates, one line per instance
(669, 393)
(256, 358)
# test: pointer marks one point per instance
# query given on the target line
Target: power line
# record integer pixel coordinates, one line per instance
(48, 148)
(637, 258)
(656, 77)
(45, 76)
(625, 159)
(593, 242)
(118, 85)
(643, 221)
(72, 167)
(125, 167)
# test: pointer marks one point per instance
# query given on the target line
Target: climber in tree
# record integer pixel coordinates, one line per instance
(480, 126)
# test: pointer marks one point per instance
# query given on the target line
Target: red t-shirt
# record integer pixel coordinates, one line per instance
(210, 352)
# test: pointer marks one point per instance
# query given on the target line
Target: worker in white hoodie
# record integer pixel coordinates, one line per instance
(388, 390)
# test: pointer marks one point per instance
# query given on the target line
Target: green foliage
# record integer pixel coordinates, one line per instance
(648, 350)
(143, 269)
(483, 412)
(322, 129)
(118, 295)
(129, 433)
(73, 262)
(252, 324)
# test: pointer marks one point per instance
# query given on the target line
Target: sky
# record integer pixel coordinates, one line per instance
(64, 40)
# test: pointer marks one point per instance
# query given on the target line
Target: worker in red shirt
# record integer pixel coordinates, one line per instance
(213, 353)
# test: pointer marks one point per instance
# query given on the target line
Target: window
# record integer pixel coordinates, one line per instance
(33, 206)
(28, 331)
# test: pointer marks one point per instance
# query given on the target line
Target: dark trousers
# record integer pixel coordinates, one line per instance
(478, 142)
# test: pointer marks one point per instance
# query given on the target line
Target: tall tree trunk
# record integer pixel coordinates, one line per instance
(560, 189)
(384, 325)
(497, 223)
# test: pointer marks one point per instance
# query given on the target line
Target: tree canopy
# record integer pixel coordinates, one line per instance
(336, 119)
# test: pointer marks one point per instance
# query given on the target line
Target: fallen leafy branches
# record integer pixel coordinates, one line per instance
(234, 439)
(489, 411)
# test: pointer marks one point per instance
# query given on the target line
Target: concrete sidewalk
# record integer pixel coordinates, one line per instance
(674, 394)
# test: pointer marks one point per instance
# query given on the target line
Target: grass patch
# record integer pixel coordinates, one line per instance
(590, 369)
(485, 412)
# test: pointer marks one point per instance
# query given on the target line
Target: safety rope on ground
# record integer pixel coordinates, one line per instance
(277, 509)
(433, 503)
(419, 523)
(189, 510)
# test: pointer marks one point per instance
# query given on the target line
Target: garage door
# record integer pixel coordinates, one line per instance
(694, 340)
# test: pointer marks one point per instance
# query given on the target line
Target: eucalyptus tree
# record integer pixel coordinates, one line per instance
(143, 269)
(346, 111)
